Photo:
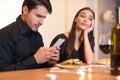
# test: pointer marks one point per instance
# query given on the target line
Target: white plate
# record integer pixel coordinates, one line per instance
(103, 63)
(71, 66)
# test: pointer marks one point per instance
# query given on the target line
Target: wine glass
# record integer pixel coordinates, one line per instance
(105, 46)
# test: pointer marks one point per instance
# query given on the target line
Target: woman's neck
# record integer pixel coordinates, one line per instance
(78, 38)
(78, 33)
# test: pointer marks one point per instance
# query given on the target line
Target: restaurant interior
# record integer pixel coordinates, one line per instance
(59, 22)
(63, 12)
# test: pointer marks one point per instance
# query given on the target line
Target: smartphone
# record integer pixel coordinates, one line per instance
(59, 42)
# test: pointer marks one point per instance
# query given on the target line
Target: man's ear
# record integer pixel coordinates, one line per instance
(25, 9)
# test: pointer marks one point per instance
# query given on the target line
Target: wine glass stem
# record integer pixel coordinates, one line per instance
(106, 63)
(105, 59)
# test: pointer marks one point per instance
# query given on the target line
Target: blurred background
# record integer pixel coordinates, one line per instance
(61, 18)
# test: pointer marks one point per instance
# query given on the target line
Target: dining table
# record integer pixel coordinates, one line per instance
(91, 72)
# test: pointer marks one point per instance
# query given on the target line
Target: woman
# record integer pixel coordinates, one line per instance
(79, 42)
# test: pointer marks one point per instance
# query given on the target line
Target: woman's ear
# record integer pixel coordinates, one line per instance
(74, 20)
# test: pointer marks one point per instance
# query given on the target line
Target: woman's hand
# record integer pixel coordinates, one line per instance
(91, 28)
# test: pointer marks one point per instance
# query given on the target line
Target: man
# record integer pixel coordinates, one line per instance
(21, 45)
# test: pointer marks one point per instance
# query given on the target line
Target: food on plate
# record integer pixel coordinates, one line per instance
(73, 62)
(103, 60)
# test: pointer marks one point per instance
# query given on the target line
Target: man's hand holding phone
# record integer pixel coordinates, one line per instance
(55, 56)
(59, 42)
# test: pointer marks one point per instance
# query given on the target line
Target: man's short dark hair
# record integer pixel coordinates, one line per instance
(31, 4)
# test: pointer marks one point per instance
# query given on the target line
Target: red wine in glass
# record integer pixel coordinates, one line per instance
(105, 48)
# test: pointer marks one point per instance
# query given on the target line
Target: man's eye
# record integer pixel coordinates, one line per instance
(40, 16)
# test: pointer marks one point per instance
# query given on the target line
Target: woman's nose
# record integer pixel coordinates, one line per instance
(86, 19)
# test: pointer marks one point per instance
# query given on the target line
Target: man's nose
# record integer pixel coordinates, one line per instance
(41, 20)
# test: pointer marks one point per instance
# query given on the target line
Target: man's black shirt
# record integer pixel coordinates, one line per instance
(18, 44)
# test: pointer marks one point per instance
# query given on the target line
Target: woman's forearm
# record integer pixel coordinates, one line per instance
(89, 55)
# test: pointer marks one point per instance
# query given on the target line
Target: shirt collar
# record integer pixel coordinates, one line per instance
(23, 27)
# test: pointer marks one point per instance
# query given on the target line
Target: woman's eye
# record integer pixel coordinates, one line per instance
(82, 16)
(90, 19)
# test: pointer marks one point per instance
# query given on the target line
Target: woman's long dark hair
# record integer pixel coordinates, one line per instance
(71, 36)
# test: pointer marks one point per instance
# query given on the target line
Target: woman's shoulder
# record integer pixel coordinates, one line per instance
(66, 34)
(63, 35)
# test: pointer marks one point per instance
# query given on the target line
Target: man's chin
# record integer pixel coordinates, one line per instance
(35, 30)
